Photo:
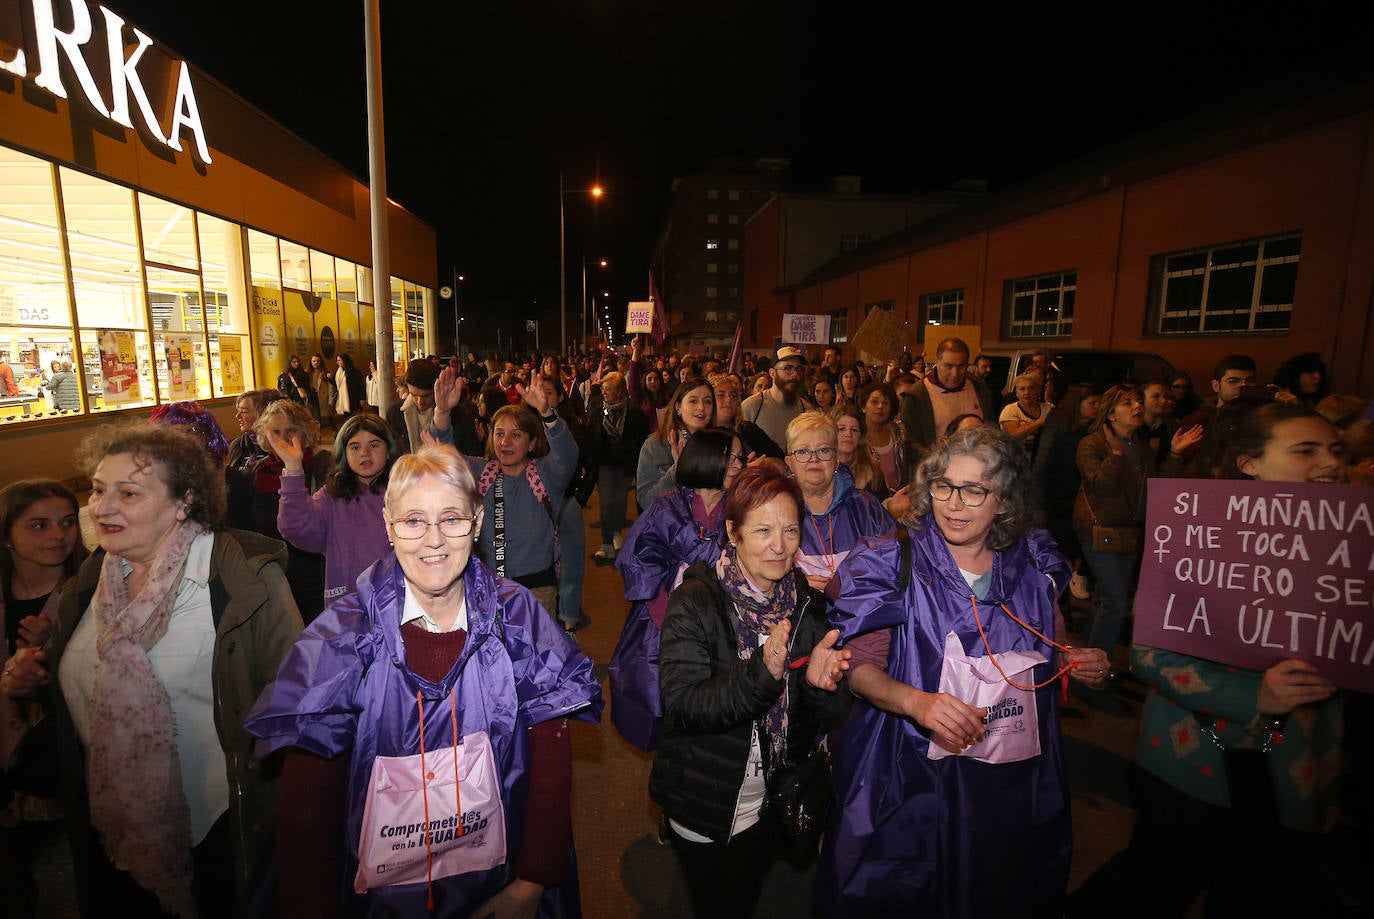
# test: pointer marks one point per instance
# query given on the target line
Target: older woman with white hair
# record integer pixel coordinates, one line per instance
(837, 513)
(426, 723)
(953, 800)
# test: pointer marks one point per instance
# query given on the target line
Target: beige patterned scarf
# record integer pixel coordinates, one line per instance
(137, 802)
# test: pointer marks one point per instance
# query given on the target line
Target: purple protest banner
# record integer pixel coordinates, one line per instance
(1253, 573)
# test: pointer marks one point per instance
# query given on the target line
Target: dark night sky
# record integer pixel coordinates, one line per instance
(487, 101)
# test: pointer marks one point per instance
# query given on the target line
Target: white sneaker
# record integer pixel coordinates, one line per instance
(618, 541)
(605, 555)
(1078, 586)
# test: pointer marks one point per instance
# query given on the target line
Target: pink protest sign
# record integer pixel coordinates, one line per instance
(1253, 573)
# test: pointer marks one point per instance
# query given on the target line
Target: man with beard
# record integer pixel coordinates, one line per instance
(946, 393)
(773, 409)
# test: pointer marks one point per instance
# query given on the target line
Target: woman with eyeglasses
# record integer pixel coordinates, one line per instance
(436, 696)
(951, 795)
(681, 528)
(837, 512)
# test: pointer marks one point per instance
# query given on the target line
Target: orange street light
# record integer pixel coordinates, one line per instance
(596, 192)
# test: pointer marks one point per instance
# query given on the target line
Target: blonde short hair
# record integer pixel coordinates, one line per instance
(296, 413)
(437, 461)
(811, 421)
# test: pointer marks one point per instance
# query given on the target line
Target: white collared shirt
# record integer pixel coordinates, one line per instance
(184, 660)
(411, 611)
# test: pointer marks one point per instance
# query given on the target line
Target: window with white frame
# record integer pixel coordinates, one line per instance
(1233, 287)
(1041, 306)
(839, 327)
(945, 307)
(712, 244)
(851, 241)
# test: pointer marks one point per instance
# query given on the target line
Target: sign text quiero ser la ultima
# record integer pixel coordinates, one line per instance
(1253, 573)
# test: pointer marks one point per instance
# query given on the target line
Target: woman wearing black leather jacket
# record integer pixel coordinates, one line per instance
(737, 703)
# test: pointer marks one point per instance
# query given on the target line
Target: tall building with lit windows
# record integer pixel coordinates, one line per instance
(698, 261)
(165, 239)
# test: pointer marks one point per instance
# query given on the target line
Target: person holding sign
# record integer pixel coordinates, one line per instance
(1239, 767)
(425, 720)
(949, 778)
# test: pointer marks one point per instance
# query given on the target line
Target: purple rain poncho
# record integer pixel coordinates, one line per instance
(344, 689)
(950, 837)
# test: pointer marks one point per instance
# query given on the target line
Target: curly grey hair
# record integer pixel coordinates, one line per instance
(1006, 473)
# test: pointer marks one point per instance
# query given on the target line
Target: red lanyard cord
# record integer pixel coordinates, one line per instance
(1028, 627)
(426, 775)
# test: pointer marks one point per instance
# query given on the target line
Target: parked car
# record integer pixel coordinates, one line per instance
(1101, 367)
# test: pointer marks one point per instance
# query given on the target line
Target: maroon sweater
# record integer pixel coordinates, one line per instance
(311, 811)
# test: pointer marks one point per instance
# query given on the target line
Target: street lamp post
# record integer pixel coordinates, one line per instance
(595, 192)
(600, 263)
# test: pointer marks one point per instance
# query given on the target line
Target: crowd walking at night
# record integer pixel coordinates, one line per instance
(302, 675)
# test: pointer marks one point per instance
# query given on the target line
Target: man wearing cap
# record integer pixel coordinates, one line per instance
(947, 392)
(773, 409)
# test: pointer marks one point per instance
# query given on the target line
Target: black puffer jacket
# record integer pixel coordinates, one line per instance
(712, 701)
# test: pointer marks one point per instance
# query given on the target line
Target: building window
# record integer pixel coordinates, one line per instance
(732, 269)
(1041, 306)
(851, 241)
(710, 293)
(732, 291)
(732, 245)
(839, 327)
(713, 193)
(734, 194)
(1234, 287)
(711, 315)
(712, 244)
(888, 305)
(943, 308)
(713, 218)
(711, 267)
(733, 220)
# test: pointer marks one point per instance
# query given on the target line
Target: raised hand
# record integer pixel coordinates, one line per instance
(1185, 439)
(288, 449)
(448, 390)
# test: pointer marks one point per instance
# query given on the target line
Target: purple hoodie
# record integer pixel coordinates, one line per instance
(351, 534)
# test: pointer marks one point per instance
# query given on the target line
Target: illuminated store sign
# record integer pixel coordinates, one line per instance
(52, 45)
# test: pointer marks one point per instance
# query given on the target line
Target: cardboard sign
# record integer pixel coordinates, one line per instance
(971, 335)
(884, 336)
(805, 329)
(639, 317)
(1253, 573)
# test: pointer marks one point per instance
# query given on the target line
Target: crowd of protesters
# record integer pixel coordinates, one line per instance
(835, 569)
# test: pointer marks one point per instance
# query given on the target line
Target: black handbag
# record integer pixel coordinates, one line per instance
(796, 800)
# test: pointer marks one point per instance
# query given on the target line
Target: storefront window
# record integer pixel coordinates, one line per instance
(35, 314)
(169, 232)
(108, 286)
(226, 302)
(322, 274)
(183, 372)
(263, 260)
(295, 265)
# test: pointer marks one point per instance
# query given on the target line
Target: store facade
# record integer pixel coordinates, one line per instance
(163, 240)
